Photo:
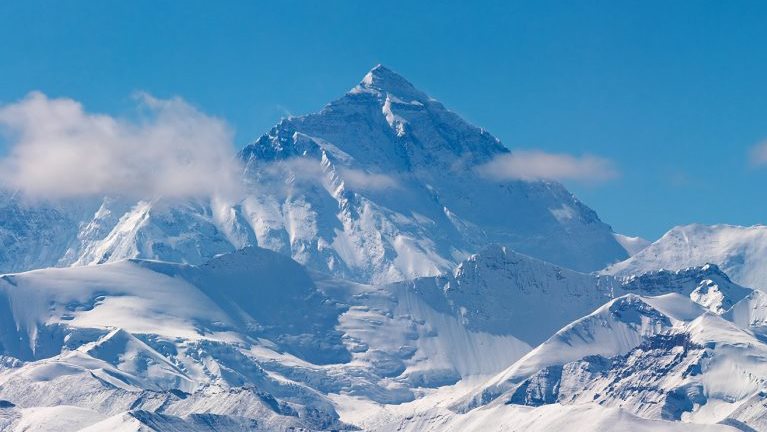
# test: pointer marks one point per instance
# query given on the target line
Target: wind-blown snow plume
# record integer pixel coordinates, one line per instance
(58, 150)
(538, 165)
(362, 180)
(310, 171)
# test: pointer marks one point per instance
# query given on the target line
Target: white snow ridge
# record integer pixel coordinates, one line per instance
(370, 278)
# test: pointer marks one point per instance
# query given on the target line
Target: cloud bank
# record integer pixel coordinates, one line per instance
(538, 165)
(58, 150)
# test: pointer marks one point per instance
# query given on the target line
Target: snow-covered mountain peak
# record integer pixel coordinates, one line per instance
(614, 328)
(631, 309)
(403, 171)
(509, 264)
(662, 278)
(381, 185)
(383, 80)
(384, 124)
(739, 251)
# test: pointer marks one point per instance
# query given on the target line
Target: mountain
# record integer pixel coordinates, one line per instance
(371, 277)
(252, 340)
(658, 358)
(383, 184)
(586, 417)
(707, 286)
(500, 291)
(740, 251)
(615, 328)
(656, 361)
(399, 174)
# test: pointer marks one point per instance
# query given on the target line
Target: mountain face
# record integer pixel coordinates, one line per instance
(741, 252)
(383, 184)
(252, 340)
(637, 310)
(644, 357)
(400, 176)
(661, 358)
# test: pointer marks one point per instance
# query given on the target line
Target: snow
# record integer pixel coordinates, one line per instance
(60, 418)
(370, 279)
(613, 329)
(587, 417)
(101, 337)
(751, 312)
(701, 369)
(125, 338)
(740, 251)
(431, 414)
(633, 245)
(347, 191)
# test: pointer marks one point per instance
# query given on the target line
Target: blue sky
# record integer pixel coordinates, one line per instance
(673, 93)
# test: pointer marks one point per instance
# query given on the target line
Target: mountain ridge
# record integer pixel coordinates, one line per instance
(738, 250)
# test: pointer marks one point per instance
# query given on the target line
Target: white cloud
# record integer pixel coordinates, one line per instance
(362, 180)
(58, 150)
(538, 165)
(758, 154)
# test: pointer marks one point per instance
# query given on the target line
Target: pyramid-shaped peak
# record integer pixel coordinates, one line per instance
(383, 80)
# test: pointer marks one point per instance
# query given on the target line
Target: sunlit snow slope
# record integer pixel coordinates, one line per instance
(253, 341)
(740, 251)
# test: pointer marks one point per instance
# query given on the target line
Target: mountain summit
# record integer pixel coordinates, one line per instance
(383, 80)
(387, 124)
(402, 170)
(381, 185)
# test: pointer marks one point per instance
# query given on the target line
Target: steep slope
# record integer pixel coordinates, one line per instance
(500, 291)
(253, 335)
(143, 335)
(399, 174)
(751, 312)
(615, 328)
(740, 251)
(707, 286)
(249, 335)
(636, 363)
(383, 184)
(634, 354)
(34, 235)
